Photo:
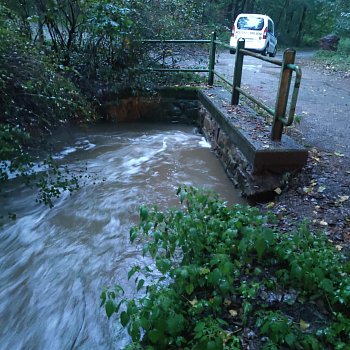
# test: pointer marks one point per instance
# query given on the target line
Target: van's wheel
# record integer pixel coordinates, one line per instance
(232, 51)
(273, 54)
(265, 51)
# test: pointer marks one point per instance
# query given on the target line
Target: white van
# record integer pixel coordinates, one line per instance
(258, 32)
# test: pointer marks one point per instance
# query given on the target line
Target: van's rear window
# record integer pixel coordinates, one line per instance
(250, 23)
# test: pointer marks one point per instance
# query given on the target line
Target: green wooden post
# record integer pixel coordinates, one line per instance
(282, 94)
(212, 59)
(237, 74)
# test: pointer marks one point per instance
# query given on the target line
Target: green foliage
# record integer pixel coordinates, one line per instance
(12, 155)
(53, 182)
(92, 37)
(217, 265)
(278, 327)
(36, 98)
(111, 30)
(344, 46)
(335, 61)
(33, 94)
(50, 179)
(182, 19)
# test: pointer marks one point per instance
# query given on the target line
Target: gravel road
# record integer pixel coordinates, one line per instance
(323, 103)
(321, 191)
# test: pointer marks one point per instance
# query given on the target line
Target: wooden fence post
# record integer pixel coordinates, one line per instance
(282, 94)
(212, 59)
(237, 74)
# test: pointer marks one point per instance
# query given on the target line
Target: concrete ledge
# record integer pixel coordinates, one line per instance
(251, 136)
(239, 137)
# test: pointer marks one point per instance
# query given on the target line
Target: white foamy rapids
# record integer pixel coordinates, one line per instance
(138, 156)
(84, 145)
(36, 168)
(204, 143)
(55, 262)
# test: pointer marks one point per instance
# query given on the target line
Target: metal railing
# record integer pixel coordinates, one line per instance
(194, 41)
(280, 116)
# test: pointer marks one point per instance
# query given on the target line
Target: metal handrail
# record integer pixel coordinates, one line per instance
(222, 44)
(256, 101)
(287, 68)
(185, 41)
(238, 88)
(261, 57)
(223, 78)
(203, 70)
(291, 113)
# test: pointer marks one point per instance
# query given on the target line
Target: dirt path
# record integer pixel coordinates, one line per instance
(321, 192)
(323, 104)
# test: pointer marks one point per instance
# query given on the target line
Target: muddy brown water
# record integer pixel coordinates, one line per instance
(54, 262)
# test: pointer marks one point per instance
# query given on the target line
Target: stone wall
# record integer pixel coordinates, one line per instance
(257, 172)
(175, 106)
(238, 168)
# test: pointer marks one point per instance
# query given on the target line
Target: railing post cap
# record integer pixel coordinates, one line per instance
(289, 49)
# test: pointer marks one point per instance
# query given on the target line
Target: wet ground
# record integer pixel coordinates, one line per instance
(323, 103)
(321, 192)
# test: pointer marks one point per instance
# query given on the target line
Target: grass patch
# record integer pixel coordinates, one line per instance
(336, 60)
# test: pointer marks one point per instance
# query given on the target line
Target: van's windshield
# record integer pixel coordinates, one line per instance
(250, 23)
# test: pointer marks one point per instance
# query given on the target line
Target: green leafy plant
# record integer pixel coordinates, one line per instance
(16, 162)
(223, 270)
(36, 97)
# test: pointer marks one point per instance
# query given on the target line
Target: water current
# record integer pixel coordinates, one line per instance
(54, 262)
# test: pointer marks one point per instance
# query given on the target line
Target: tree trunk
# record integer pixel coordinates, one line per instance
(229, 11)
(301, 27)
(41, 32)
(235, 11)
(282, 13)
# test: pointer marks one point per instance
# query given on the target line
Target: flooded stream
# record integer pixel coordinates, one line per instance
(54, 262)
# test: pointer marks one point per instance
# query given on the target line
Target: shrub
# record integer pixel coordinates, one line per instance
(36, 97)
(226, 273)
(344, 46)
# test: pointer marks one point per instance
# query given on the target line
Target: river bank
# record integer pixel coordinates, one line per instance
(320, 194)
